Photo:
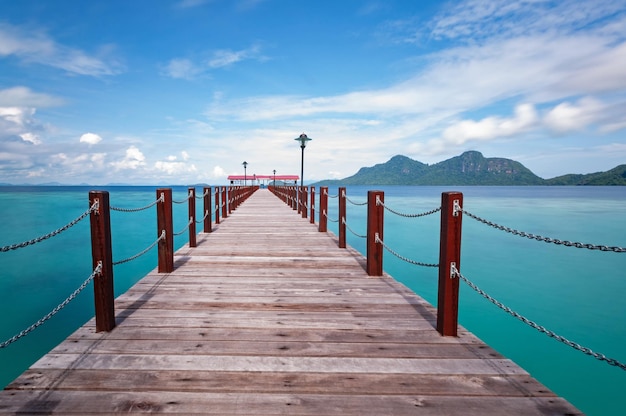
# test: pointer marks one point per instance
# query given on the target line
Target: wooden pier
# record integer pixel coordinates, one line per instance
(267, 316)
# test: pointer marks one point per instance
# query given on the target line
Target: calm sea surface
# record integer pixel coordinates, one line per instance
(577, 293)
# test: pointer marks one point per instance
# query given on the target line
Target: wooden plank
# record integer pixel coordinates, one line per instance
(72, 402)
(312, 383)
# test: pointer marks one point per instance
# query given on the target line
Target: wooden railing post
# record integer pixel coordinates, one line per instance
(323, 209)
(342, 217)
(449, 257)
(164, 223)
(312, 205)
(294, 198)
(217, 204)
(305, 199)
(208, 210)
(101, 254)
(375, 222)
(224, 203)
(192, 217)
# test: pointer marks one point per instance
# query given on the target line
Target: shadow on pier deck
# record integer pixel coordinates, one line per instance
(267, 316)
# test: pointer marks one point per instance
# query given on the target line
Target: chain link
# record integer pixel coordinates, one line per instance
(94, 207)
(144, 251)
(423, 214)
(538, 327)
(203, 195)
(330, 196)
(184, 229)
(343, 221)
(330, 219)
(545, 239)
(184, 200)
(354, 203)
(206, 214)
(401, 257)
(161, 199)
(54, 311)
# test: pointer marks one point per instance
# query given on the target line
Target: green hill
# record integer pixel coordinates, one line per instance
(615, 176)
(470, 168)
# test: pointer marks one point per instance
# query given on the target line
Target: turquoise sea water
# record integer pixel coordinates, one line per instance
(577, 293)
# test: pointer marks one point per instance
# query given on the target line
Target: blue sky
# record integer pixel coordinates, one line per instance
(183, 91)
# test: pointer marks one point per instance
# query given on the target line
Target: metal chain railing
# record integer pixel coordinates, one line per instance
(343, 221)
(330, 196)
(401, 257)
(144, 251)
(423, 214)
(150, 205)
(545, 239)
(52, 234)
(206, 214)
(54, 311)
(354, 203)
(203, 195)
(330, 219)
(184, 229)
(184, 200)
(536, 326)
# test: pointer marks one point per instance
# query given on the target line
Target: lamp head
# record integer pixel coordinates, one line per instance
(303, 139)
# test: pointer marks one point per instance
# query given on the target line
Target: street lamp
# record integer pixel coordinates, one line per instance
(302, 139)
(274, 178)
(245, 178)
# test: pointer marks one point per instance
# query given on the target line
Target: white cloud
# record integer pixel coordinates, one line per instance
(219, 173)
(227, 57)
(567, 117)
(182, 69)
(31, 138)
(184, 155)
(90, 138)
(20, 122)
(133, 159)
(24, 97)
(39, 48)
(171, 167)
(490, 128)
(473, 19)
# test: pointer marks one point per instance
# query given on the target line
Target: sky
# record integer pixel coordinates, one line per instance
(161, 92)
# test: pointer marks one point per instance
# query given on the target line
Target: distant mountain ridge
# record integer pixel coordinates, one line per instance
(470, 168)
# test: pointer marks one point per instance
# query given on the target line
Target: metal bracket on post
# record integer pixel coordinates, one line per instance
(453, 270)
(456, 208)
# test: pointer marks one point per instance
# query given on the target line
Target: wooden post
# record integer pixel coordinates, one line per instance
(224, 203)
(342, 217)
(101, 254)
(294, 198)
(375, 222)
(305, 199)
(192, 217)
(323, 209)
(164, 223)
(312, 205)
(449, 256)
(231, 200)
(217, 204)
(208, 210)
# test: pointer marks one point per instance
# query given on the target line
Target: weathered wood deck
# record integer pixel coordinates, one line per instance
(265, 317)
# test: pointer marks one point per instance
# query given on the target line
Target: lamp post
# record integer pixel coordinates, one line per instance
(245, 178)
(274, 178)
(302, 139)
